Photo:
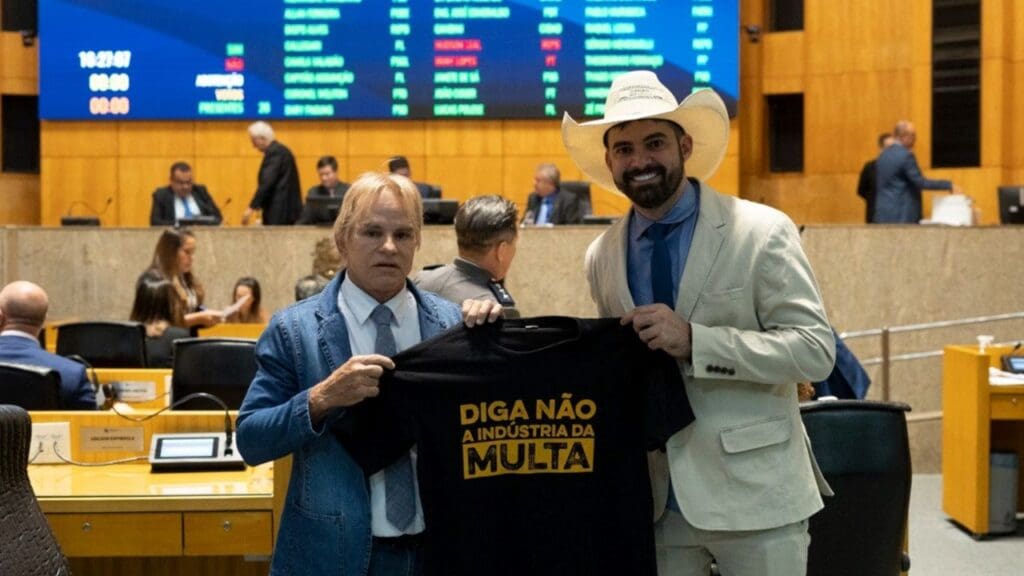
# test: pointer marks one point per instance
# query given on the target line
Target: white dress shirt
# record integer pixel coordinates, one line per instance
(179, 207)
(356, 306)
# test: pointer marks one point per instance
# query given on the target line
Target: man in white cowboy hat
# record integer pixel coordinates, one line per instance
(722, 285)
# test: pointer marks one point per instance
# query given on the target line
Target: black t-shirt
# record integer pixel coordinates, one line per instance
(532, 437)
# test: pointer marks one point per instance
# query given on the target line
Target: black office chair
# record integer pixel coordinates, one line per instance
(27, 545)
(862, 449)
(223, 367)
(30, 387)
(580, 188)
(104, 344)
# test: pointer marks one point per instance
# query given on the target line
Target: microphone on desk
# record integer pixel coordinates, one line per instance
(223, 208)
(69, 220)
(108, 390)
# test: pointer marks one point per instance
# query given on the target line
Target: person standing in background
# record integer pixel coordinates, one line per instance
(172, 261)
(899, 180)
(277, 192)
(866, 185)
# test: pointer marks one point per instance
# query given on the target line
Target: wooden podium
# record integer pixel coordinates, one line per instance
(978, 419)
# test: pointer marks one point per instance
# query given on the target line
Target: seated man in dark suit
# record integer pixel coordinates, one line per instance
(23, 307)
(329, 187)
(548, 204)
(400, 165)
(181, 199)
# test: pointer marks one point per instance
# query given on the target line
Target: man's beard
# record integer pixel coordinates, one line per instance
(652, 195)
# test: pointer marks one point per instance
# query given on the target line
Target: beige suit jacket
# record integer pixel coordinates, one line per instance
(758, 328)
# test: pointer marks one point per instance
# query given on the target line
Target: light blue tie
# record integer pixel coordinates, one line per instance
(188, 208)
(399, 487)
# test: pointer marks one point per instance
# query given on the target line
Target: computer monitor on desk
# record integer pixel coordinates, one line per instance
(323, 210)
(1011, 204)
(439, 211)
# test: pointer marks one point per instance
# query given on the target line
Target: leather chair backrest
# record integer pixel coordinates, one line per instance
(27, 545)
(580, 188)
(223, 367)
(863, 451)
(104, 344)
(30, 387)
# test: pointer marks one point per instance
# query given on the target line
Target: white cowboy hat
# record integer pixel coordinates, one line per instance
(637, 95)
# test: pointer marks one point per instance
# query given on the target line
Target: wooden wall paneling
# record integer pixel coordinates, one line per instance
(461, 178)
(726, 178)
(313, 137)
(1014, 22)
(995, 37)
(21, 199)
(993, 115)
(223, 138)
(356, 165)
(308, 176)
(856, 35)
(231, 177)
(78, 139)
(921, 112)
(156, 139)
(19, 64)
(464, 138)
(532, 138)
(137, 178)
(783, 62)
(79, 185)
(1013, 152)
(388, 138)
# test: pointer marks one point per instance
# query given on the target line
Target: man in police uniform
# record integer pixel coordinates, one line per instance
(485, 227)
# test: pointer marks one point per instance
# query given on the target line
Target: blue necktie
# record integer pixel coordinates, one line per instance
(188, 208)
(399, 487)
(661, 264)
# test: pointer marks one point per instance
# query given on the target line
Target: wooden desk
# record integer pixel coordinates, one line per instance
(158, 380)
(229, 330)
(125, 510)
(978, 419)
(123, 519)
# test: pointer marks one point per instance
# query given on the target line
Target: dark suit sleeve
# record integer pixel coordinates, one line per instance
(866, 182)
(913, 174)
(158, 211)
(571, 212)
(271, 170)
(82, 396)
(207, 207)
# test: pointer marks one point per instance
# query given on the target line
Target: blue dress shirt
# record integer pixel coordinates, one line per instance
(640, 249)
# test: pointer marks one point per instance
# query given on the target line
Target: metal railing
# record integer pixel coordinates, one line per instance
(886, 359)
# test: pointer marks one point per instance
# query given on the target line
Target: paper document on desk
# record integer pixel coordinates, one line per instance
(225, 313)
(997, 377)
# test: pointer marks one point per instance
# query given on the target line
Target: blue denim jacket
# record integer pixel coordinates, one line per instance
(325, 525)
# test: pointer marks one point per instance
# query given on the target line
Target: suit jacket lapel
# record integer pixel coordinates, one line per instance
(331, 333)
(618, 236)
(707, 241)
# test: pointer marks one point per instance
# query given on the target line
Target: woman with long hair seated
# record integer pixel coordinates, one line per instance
(250, 311)
(156, 306)
(172, 261)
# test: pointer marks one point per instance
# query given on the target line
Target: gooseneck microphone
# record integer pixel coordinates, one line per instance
(70, 220)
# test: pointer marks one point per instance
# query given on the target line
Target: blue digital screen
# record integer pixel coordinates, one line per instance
(274, 59)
